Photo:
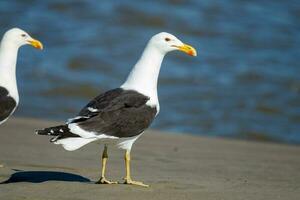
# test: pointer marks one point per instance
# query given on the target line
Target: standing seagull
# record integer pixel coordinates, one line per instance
(121, 115)
(12, 40)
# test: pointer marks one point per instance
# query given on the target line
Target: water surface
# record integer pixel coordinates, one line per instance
(245, 82)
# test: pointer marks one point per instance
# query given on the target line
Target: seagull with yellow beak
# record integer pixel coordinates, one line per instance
(119, 117)
(12, 40)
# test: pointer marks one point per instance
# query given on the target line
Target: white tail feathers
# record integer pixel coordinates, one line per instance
(74, 143)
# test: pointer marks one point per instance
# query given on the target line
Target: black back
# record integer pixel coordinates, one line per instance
(7, 104)
(118, 112)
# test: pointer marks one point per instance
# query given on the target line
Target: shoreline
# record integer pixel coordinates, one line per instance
(177, 166)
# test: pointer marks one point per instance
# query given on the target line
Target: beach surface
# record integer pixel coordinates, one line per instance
(177, 166)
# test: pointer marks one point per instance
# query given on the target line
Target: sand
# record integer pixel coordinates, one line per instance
(177, 166)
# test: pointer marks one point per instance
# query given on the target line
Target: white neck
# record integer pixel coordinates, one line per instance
(8, 61)
(144, 75)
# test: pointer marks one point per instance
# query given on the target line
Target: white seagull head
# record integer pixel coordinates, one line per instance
(166, 42)
(17, 38)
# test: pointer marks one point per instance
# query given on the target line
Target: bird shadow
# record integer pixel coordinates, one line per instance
(43, 176)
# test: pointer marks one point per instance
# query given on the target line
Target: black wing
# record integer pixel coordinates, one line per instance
(7, 104)
(118, 112)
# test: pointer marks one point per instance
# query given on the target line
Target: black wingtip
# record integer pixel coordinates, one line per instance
(39, 132)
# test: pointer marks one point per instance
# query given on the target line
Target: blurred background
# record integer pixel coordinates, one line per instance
(245, 82)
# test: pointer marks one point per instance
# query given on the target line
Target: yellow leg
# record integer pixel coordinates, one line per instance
(128, 179)
(103, 180)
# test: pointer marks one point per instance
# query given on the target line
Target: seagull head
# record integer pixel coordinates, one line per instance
(18, 38)
(166, 42)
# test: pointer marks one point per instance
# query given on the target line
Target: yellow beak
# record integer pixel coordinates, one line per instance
(35, 43)
(187, 49)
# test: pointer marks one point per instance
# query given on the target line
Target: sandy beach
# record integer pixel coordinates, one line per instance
(177, 166)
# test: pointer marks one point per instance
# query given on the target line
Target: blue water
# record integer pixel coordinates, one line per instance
(245, 82)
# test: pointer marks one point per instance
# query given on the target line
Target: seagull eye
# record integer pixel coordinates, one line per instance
(167, 39)
(23, 35)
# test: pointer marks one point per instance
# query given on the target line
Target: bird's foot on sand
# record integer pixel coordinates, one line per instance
(103, 180)
(129, 181)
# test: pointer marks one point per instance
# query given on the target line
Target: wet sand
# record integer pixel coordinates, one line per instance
(176, 167)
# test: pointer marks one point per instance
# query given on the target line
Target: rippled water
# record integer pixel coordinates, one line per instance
(245, 82)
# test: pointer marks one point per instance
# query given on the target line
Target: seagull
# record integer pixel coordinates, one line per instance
(12, 40)
(119, 116)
